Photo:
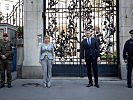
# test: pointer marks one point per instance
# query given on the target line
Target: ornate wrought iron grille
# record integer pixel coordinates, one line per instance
(66, 21)
(15, 18)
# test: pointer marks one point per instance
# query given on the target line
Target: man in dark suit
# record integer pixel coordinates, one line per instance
(91, 53)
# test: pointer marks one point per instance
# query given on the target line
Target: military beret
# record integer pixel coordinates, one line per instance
(5, 35)
(131, 31)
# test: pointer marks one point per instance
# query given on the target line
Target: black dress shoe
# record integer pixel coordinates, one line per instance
(89, 85)
(2, 85)
(9, 85)
(96, 85)
(129, 86)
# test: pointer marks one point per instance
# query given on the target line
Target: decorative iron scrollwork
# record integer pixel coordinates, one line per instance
(64, 21)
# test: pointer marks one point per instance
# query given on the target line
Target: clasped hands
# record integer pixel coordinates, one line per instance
(98, 60)
(125, 61)
(51, 61)
(3, 57)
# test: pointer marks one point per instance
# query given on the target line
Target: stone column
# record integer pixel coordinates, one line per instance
(33, 26)
(125, 24)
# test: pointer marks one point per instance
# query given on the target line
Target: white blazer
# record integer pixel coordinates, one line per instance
(46, 50)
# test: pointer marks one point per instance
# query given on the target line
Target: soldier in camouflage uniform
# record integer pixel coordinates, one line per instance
(6, 54)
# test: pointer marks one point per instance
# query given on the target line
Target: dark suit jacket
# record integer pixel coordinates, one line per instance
(86, 50)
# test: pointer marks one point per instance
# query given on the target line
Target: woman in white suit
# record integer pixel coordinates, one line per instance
(46, 59)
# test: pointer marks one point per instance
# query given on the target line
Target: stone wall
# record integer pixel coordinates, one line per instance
(33, 24)
(125, 24)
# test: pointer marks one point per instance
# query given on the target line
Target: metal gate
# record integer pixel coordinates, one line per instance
(65, 22)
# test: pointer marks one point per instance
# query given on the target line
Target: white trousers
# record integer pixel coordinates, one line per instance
(47, 71)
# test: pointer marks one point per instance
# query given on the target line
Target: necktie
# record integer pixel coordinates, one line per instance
(89, 42)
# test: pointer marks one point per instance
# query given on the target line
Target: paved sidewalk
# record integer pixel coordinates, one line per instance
(67, 89)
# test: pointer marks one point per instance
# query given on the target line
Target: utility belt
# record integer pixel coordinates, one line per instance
(130, 54)
(130, 57)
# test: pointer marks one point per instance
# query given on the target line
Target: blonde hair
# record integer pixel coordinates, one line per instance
(46, 36)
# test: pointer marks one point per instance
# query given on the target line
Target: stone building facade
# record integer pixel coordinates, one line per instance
(33, 23)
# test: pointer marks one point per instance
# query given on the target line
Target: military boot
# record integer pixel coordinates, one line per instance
(2, 85)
